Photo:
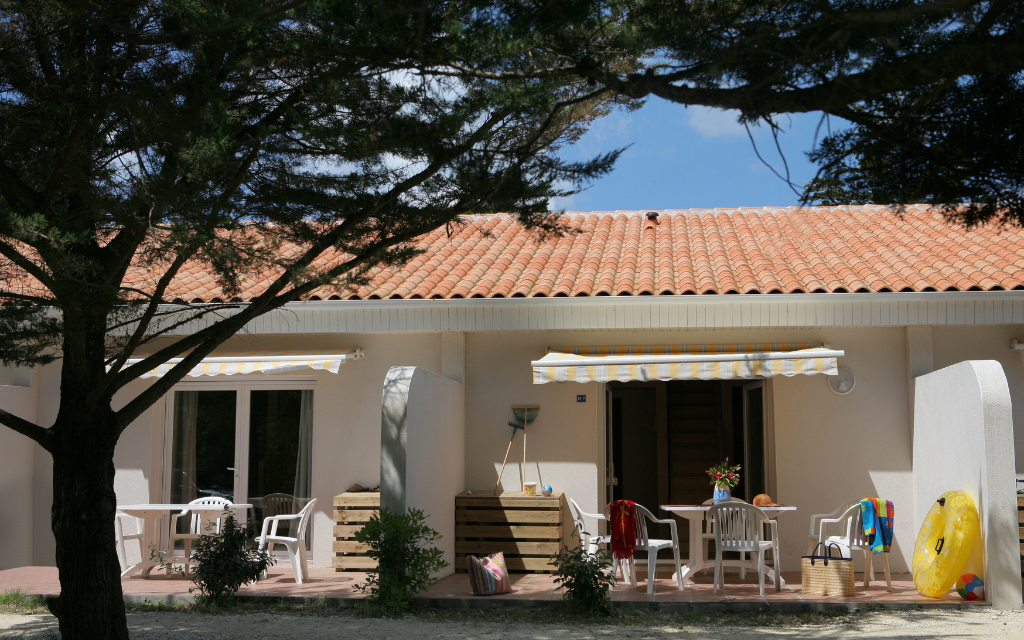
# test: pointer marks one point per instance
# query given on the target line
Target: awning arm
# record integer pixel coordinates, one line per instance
(684, 358)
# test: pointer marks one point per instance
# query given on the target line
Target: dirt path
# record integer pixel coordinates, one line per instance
(186, 626)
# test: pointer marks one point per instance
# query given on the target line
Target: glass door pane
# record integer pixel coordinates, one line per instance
(280, 454)
(203, 449)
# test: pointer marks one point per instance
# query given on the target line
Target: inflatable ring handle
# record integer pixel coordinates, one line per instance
(938, 545)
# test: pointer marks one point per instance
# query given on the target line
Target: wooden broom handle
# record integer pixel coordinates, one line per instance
(502, 472)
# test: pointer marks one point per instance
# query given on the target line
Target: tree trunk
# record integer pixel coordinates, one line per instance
(91, 602)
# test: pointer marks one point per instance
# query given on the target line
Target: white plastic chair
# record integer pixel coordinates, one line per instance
(709, 534)
(652, 546)
(815, 530)
(296, 546)
(852, 539)
(121, 537)
(590, 541)
(195, 525)
(738, 528)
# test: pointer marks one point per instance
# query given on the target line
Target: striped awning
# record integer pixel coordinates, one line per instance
(683, 362)
(229, 364)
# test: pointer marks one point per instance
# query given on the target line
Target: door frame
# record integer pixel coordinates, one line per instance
(767, 431)
(242, 403)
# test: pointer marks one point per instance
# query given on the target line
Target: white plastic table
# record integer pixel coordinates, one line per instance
(695, 514)
(150, 515)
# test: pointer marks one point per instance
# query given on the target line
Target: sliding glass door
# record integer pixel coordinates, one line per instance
(249, 443)
(280, 452)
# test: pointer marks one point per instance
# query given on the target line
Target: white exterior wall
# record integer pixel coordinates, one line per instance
(963, 440)
(16, 468)
(951, 345)
(422, 463)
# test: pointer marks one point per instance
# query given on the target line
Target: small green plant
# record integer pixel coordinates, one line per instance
(398, 542)
(17, 601)
(225, 561)
(586, 579)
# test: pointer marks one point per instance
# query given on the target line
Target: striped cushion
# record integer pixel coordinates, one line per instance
(488, 576)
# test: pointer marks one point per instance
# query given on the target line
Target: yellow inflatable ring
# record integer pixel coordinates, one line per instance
(945, 543)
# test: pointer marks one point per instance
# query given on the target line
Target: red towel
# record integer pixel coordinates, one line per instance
(623, 526)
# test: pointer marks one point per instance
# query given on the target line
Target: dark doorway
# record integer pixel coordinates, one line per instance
(663, 436)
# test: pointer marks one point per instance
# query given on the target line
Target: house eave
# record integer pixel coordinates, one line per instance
(640, 312)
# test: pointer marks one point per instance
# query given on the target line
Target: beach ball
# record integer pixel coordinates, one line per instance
(546, 490)
(970, 587)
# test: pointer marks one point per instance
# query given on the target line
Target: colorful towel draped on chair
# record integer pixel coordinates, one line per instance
(876, 516)
(623, 528)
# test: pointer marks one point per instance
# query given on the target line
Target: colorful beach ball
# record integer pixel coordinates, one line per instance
(970, 587)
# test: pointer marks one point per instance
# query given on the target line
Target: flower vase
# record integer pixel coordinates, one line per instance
(722, 494)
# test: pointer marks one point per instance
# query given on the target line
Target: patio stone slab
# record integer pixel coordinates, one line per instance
(338, 589)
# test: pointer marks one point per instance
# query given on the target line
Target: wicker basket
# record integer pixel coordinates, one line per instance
(827, 575)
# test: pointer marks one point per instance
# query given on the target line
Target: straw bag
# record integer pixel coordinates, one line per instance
(827, 575)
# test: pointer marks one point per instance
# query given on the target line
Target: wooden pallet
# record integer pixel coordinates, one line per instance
(527, 529)
(351, 512)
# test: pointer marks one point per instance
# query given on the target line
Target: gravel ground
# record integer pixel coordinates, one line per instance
(918, 625)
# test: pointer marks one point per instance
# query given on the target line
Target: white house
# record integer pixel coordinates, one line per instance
(881, 299)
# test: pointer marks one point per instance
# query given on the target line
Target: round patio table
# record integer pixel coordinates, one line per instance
(695, 513)
(150, 515)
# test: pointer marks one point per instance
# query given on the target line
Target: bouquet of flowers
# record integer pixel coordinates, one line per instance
(723, 476)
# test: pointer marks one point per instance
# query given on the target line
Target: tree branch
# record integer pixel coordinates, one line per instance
(44, 437)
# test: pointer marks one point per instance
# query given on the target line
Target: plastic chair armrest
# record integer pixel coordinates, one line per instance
(821, 526)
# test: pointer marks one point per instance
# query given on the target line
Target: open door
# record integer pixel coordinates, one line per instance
(611, 480)
(755, 437)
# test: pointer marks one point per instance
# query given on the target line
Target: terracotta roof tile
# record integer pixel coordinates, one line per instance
(746, 250)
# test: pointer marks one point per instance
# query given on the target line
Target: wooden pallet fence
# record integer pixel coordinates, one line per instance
(527, 529)
(351, 512)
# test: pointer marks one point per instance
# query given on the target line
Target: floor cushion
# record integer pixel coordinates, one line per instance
(489, 576)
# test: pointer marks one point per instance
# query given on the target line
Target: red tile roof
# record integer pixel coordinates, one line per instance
(695, 251)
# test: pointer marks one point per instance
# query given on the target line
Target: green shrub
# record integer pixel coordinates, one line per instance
(225, 561)
(585, 578)
(398, 542)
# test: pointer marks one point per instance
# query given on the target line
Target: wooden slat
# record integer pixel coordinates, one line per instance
(498, 502)
(1020, 500)
(484, 547)
(469, 531)
(367, 499)
(1020, 516)
(514, 564)
(354, 515)
(350, 546)
(346, 530)
(353, 562)
(507, 516)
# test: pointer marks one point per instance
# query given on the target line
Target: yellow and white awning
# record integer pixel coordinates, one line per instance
(683, 362)
(229, 364)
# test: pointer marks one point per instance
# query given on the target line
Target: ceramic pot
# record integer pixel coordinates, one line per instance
(722, 494)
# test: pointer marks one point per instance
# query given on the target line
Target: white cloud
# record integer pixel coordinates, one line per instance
(716, 123)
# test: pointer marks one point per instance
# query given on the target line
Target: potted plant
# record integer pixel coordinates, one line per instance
(724, 478)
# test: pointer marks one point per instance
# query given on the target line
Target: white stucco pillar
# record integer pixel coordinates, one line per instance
(963, 439)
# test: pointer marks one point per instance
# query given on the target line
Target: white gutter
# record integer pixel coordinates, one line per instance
(682, 359)
(681, 300)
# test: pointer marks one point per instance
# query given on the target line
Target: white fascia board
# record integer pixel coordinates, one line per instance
(734, 311)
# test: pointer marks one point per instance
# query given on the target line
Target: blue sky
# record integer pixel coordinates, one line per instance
(683, 157)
